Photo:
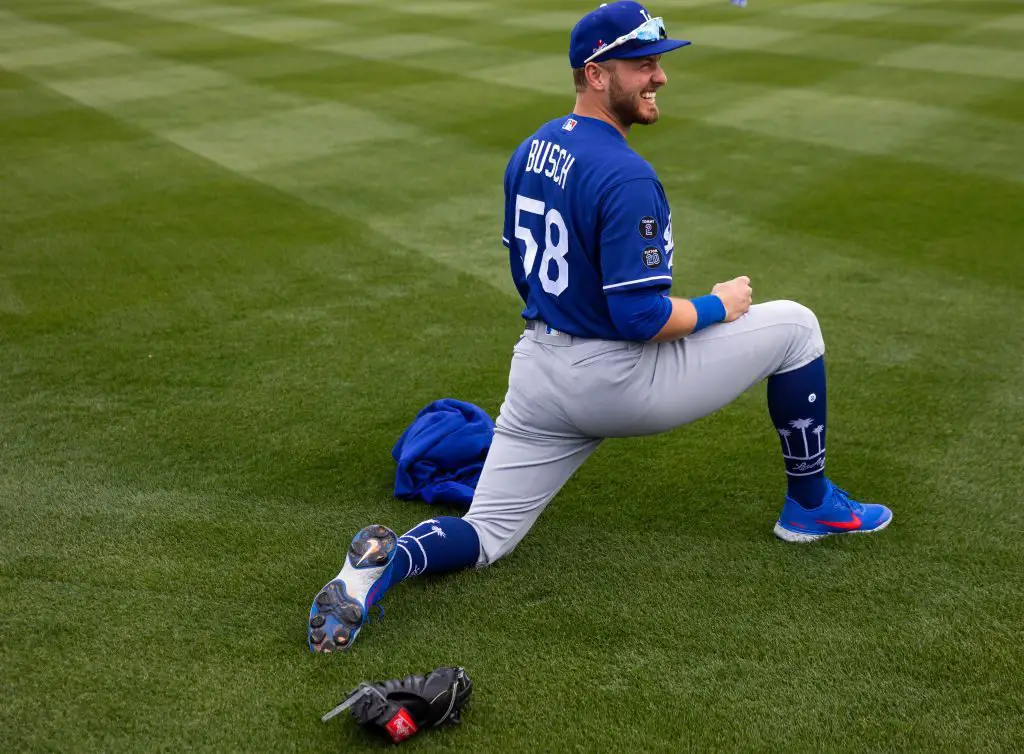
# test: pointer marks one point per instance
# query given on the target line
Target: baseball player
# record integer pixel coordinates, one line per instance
(606, 351)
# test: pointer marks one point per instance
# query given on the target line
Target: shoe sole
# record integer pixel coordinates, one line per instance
(799, 537)
(336, 617)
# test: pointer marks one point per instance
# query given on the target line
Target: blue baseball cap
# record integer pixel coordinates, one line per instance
(622, 30)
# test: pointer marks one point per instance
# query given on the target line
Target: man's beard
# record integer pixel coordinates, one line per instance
(629, 108)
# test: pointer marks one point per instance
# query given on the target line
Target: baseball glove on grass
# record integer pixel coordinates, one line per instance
(400, 708)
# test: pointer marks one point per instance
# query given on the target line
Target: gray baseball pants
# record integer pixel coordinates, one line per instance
(565, 394)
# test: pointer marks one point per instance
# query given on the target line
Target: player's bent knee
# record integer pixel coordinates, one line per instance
(806, 341)
(804, 317)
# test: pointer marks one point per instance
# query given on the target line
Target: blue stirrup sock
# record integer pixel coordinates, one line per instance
(797, 405)
(445, 543)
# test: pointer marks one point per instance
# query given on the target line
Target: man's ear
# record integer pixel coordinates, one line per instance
(597, 76)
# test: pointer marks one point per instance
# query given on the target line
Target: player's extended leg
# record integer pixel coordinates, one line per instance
(522, 475)
(533, 453)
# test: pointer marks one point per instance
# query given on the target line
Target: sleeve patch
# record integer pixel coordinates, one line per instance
(648, 227)
(652, 257)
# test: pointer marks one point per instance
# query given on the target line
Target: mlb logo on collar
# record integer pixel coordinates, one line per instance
(569, 124)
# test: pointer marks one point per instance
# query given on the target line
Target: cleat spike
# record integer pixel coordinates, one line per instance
(350, 613)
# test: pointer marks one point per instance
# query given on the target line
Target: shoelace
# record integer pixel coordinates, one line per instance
(846, 501)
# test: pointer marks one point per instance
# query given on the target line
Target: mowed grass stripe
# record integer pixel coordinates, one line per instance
(882, 127)
(16, 33)
(761, 74)
(56, 49)
(1011, 23)
(100, 172)
(162, 82)
(254, 23)
(286, 137)
(187, 111)
(174, 11)
(393, 46)
(962, 59)
(840, 11)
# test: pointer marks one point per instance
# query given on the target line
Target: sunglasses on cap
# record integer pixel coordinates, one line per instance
(650, 30)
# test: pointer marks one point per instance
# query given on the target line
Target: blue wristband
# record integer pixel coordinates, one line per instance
(710, 310)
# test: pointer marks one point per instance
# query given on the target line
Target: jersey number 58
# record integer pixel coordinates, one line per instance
(554, 249)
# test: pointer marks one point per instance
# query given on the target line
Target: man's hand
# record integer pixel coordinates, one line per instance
(736, 295)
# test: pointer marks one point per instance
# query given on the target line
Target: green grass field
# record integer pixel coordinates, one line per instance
(242, 244)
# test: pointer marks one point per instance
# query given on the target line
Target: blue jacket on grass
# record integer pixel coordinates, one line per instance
(442, 452)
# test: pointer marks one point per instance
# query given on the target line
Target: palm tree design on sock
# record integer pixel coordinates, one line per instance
(785, 433)
(817, 433)
(802, 425)
(406, 540)
(808, 463)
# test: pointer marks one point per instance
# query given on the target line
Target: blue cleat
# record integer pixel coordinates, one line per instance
(837, 514)
(340, 608)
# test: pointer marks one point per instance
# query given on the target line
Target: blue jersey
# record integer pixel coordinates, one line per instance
(585, 218)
